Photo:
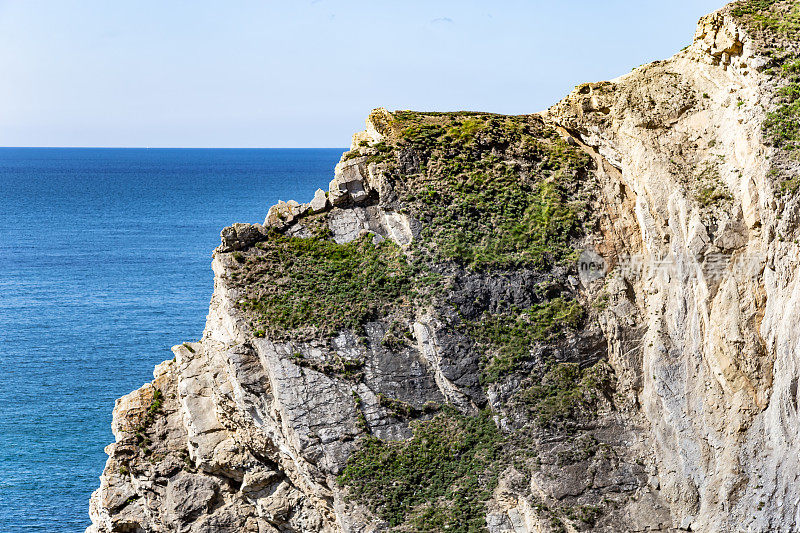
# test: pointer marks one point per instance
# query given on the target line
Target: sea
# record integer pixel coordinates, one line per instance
(105, 263)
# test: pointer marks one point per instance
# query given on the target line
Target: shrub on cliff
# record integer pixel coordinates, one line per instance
(439, 480)
(316, 284)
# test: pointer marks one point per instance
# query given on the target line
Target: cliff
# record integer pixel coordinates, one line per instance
(582, 319)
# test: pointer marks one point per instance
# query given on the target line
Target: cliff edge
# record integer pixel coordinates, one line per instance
(577, 320)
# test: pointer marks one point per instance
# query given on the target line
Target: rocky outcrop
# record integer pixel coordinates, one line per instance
(417, 349)
(711, 368)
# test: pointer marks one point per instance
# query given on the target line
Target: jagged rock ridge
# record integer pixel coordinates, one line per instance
(576, 320)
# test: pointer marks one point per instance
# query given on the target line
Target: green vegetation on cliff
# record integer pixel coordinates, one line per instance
(498, 193)
(564, 391)
(776, 16)
(511, 337)
(493, 192)
(439, 480)
(315, 285)
(499, 199)
(776, 25)
(782, 125)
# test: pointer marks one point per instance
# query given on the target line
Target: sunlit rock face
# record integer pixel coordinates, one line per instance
(583, 319)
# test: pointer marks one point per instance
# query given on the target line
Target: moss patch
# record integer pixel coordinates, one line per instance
(439, 480)
(712, 195)
(397, 337)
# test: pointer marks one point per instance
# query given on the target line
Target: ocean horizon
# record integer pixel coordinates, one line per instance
(106, 261)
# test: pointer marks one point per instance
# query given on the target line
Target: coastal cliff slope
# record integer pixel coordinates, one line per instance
(578, 320)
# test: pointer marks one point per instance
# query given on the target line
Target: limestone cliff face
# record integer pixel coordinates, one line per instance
(579, 320)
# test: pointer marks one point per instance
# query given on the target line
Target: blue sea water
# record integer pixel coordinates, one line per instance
(105, 261)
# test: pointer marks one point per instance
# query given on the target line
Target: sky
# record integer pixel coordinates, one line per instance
(304, 73)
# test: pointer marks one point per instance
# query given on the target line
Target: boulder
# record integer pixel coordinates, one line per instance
(348, 184)
(320, 201)
(240, 236)
(189, 494)
(284, 214)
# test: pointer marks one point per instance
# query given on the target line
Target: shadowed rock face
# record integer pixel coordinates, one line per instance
(421, 348)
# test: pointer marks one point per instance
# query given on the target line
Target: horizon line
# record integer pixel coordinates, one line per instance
(182, 147)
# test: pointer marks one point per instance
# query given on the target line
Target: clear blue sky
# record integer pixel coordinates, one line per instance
(302, 73)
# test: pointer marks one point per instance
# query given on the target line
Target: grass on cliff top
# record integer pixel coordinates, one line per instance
(774, 16)
(497, 193)
(438, 480)
(316, 285)
(493, 192)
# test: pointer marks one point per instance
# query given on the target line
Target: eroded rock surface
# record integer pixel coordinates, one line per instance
(424, 326)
